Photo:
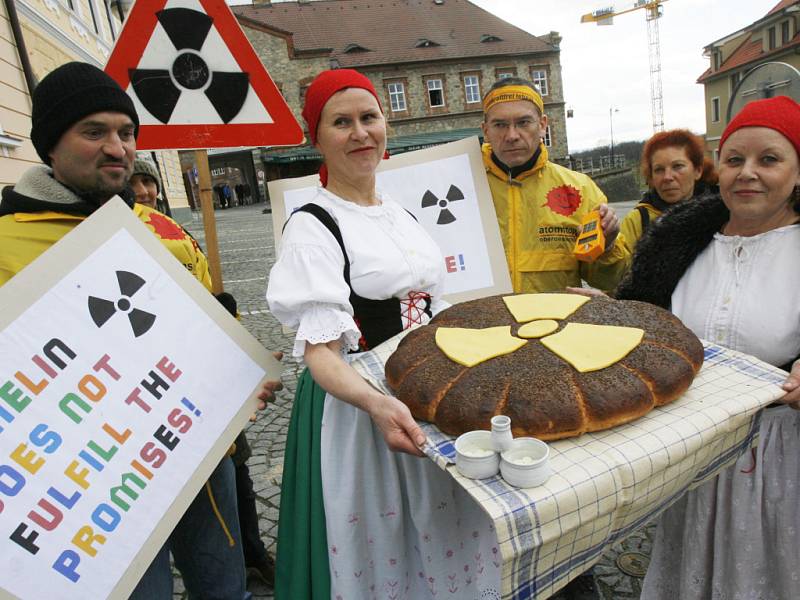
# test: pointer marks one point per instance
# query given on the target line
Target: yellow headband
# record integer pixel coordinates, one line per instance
(512, 93)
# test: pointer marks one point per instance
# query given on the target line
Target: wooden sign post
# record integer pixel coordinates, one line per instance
(209, 219)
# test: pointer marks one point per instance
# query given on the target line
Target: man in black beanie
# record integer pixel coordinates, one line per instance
(84, 128)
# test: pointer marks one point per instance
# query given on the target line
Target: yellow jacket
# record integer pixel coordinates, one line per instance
(539, 213)
(24, 236)
(631, 227)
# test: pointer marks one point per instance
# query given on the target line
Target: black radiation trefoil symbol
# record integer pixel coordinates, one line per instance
(445, 216)
(102, 310)
(187, 30)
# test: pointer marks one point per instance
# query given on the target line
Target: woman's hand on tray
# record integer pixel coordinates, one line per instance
(590, 292)
(399, 429)
(792, 387)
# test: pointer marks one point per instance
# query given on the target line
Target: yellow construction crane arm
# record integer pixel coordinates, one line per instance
(602, 14)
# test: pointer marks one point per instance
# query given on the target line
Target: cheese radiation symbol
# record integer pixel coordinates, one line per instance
(586, 347)
(159, 89)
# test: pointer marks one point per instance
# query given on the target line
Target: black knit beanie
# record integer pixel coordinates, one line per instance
(68, 94)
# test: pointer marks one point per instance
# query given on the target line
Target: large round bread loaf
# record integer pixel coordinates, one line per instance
(543, 394)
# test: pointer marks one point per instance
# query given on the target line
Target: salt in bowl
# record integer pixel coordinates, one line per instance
(475, 457)
(527, 463)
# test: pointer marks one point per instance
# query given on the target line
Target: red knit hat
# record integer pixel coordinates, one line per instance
(325, 85)
(780, 113)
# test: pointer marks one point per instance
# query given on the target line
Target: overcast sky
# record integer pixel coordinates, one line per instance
(607, 66)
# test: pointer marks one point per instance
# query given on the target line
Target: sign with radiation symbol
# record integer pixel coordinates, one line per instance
(195, 79)
(101, 310)
(429, 199)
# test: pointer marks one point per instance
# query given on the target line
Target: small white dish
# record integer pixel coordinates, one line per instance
(527, 463)
(475, 457)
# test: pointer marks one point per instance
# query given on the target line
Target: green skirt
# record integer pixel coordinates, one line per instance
(301, 571)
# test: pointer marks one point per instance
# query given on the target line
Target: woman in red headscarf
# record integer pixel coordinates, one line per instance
(726, 265)
(361, 514)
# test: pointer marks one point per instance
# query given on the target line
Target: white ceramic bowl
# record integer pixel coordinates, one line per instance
(527, 463)
(475, 457)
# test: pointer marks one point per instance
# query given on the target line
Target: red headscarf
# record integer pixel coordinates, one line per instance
(780, 113)
(325, 85)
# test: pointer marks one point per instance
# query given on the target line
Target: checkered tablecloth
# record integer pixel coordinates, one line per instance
(606, 485)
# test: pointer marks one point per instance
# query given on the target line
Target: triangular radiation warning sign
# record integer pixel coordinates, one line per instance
(195, 79)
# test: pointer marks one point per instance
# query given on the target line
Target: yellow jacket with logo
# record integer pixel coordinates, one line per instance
(25, 235)
(539, 213)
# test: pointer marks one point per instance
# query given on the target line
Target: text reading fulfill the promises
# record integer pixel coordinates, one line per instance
(89, 391)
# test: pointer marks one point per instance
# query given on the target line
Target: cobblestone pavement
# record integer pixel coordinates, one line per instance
(247, 253)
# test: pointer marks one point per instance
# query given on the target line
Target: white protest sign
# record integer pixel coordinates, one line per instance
(122, 384)
(445, 188)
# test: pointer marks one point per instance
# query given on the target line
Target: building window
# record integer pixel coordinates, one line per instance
(505, 72)
(771, 35)
(548, 141)
(109, 16)
(539, 78)
(8, 143)
(717, 58)
(785, 33)
(93, 10)
(472, 89)
(435, 92)
(397, 96)
(715, 110)
(735, 81)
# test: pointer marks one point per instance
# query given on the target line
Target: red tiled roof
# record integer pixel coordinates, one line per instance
(780, 6)
(391, 30)
(751, 50)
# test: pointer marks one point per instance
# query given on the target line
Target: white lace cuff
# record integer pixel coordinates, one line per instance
(325, 323)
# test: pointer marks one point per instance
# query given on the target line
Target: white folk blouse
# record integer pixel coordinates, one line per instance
(743, 293)
(391, 255)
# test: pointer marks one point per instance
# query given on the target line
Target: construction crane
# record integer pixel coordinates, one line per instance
(653, 11)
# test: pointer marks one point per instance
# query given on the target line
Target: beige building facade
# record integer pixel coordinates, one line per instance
(773, 38)
(55, 32)
(16, 151)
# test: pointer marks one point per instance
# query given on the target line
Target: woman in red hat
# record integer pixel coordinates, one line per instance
(727, 267)
(361, 514)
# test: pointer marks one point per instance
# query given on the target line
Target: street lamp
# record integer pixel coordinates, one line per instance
(611, 111)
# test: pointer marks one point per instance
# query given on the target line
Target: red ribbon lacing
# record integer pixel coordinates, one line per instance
(753, 467)
(413, 308)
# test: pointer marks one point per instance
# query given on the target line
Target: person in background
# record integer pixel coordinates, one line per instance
(257, 561)
(361, 515)
(146, 183)
(84, 129)
(539, 204)
(675, 169)
(724, 263)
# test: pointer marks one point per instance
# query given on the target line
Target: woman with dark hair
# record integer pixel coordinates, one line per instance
(724, 265)
(676, 170)
(362, 515)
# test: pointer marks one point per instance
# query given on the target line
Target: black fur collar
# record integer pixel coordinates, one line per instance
(669, 246)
